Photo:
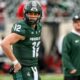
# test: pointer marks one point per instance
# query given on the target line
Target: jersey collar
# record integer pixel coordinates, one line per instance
(75, 32)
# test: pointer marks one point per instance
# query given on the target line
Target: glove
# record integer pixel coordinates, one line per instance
(8, 68)
(11, 70)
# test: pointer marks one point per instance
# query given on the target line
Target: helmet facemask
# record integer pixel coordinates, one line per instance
(32, 17)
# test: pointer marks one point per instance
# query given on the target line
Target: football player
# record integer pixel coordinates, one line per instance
(25, 41)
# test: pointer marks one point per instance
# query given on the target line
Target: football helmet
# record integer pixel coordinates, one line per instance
(35, 7)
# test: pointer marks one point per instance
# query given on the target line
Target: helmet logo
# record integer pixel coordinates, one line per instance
(34, 6)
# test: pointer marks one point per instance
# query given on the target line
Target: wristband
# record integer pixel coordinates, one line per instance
(15, 62)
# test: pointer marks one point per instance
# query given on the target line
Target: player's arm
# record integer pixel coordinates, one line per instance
(7, 42)
(6, 45)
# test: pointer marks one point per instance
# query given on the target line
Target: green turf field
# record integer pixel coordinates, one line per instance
(52, 77)
(43, 77)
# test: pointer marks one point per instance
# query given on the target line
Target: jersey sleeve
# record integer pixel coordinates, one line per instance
(19, 29)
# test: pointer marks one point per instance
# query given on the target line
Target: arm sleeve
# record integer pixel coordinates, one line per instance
(19, 29)
(66, 48)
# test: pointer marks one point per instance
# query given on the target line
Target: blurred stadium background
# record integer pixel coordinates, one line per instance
(57, 23)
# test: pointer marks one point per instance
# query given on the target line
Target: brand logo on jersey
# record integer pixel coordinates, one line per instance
(28, 73)
(32, 32)
(76, 41)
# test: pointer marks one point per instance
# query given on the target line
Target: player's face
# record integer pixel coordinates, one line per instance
(33, 15)
(77, 25)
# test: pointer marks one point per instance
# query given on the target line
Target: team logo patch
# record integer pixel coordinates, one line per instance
(76, 41)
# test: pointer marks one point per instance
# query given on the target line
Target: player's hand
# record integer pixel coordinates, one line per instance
(73, 71)
(17, 67)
